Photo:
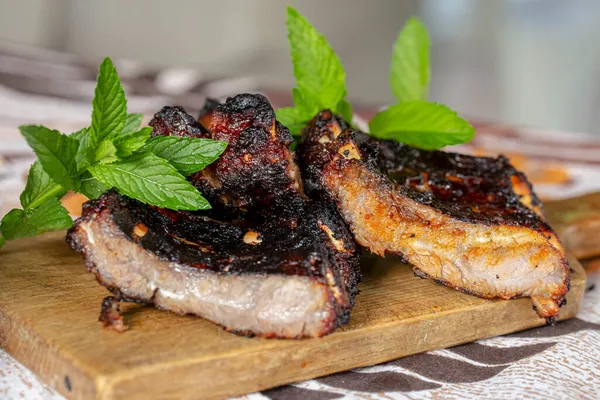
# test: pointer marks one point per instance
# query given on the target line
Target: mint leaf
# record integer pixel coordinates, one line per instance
(85, 152)
(56, 152)
(49, 216)
(150, 179)
(292, 118)
(188, 155)
(91, 187)
(78, 135)
(132, 123)
(307, 105)
(39, 187)
(2, 240)
(318, 71)
(109, 106)
(409, 75)
(129, 143)
(421, 124)
(106, 152)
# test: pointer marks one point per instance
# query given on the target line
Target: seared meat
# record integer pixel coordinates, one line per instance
(266, 279)
(287, 269)
(257, 171)
(110, 315)
(471, 223)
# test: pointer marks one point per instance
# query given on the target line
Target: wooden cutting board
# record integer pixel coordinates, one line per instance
(49, 307)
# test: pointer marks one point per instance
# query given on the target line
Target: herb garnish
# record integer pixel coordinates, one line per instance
(413, 120)
(320, 76)
(112, 152)
(321, 84)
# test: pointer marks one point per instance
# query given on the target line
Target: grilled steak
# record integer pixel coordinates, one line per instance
(287, 269)
(471, 223)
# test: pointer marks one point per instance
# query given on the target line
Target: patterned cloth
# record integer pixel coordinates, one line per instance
(549, 362)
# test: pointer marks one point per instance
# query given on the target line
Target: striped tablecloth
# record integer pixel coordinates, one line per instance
(560, 362)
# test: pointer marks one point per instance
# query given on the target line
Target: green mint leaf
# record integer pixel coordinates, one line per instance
(292, 118)
(132, 123)
(188, 155)
(318, 71)
(109, 106)
(91, 187)
(2, 240)
(306, 104)
(39, 187)
(55, 151)
(49, 216)
(129, 143)
(106, 152)
(78, 135)
(85, 152)
(421, 124)
(150, 179)
(409, 75)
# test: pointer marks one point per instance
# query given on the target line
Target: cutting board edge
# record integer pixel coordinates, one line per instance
(56, 368)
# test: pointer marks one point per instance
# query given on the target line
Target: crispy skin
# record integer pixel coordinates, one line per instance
(257, 171)
(266, 279)
(471, 223)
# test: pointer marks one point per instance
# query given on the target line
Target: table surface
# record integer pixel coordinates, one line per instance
(559, 361)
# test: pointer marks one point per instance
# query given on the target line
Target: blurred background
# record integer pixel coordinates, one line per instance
(527, 62)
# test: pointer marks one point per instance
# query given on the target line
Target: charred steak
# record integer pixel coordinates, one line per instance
(471, 223)
(266, 260)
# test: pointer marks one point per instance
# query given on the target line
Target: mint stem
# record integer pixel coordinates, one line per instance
(54, 192)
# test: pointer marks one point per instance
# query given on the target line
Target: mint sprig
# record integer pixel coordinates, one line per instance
(112, 152)
(319, 74)
(413, 120)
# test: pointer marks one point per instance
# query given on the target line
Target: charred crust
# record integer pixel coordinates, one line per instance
(467, 188)
(205, 116)
(110, 315)
(257, 171)
(184, 237)
(174, 121)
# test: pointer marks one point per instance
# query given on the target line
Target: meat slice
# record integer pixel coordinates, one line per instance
(471, 223)
(257, 171)
(266, 279)
(265, 260)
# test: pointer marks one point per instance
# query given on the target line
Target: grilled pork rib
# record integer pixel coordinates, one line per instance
(265, 279)
(265, 260)
(471, 223)
(257, 171)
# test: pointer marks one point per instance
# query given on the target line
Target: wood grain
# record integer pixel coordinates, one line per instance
(577, 222)
(49, 308)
